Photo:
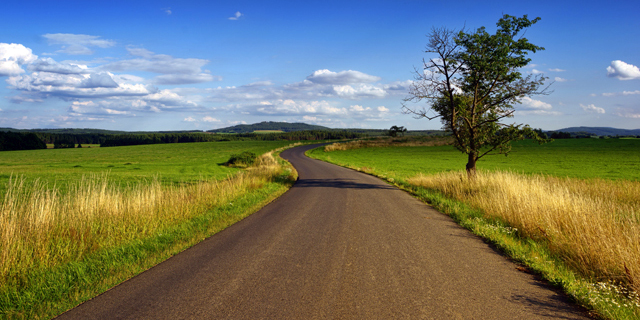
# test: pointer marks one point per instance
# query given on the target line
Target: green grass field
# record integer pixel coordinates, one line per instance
(60, 248)
(173, 163)
(578, 158)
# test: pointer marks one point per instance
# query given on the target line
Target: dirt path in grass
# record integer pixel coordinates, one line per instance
(339, 245)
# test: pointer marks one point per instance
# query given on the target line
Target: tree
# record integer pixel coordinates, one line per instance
(64, 143)
(393, 132)
(472, 84)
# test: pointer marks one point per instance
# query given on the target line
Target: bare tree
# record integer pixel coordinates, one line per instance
(473, 82)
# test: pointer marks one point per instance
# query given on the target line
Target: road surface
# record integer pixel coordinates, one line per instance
(339, 245)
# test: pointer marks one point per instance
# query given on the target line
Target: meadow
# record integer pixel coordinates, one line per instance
(75, 222)
(170, 163)
(568, 210)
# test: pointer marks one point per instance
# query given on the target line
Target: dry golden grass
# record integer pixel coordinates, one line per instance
(388, 141)
(42, 228)
(594, 225)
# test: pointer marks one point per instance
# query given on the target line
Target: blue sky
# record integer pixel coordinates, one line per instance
(187, 65)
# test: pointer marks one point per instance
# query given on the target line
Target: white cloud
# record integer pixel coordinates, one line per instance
(12, 57)
(592, 108)
(97, 109)
(530, 106)
(623, 93)
(167, 11)
(341, 78)
(358, 91)
(558, 79)
(210, 119)
(172, 70)
(50, 65)
(189, 119)
(99, 80)
(557, 70)
(283, 107)
(529, 103)
(535, 71)
(628, 113)
(236, 16)
(623, 71)
(77, 44)
(382, 109)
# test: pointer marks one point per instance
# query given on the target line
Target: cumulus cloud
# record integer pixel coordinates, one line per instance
(359, 91)
(210, 119)
(592, 108)
(557, 70)
(98, 80)
(172, 70)
(530, 106)
(535, 71)
(77, 44)
(341, 78)
(12, 57)
(236, 16)
(558, 79)
(50, 65)
(628, 113)
(623, 71)
(285, 107)
(97, 109)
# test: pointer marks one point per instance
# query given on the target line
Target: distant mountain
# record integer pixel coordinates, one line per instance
(601, 131)
(269, 125)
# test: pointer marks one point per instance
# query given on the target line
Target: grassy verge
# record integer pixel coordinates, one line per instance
(581, 235)
(60, 249)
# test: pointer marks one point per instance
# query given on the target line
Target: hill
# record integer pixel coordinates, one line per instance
(601, 131)
(269, 125)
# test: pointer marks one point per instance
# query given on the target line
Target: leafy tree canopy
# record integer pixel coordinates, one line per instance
(472, 84)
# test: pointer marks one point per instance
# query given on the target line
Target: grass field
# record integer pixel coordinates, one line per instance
(568, 210)
(171, 163)
(577, 158)
(75, 222)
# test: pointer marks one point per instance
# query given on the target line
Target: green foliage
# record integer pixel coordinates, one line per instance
(244, 159)
(20, 141)
(63, 144)
(473, 84)
(394, 130)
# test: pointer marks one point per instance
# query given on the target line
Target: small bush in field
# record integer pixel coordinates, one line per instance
(243, 159)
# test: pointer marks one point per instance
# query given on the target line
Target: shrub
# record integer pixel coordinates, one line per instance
(243, 159)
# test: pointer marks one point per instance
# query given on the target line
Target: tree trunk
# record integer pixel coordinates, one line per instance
(471, 165)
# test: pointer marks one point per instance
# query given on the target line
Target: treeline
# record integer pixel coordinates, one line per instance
(155, 138)
(20, 141)
(77, 138)
(140, 139)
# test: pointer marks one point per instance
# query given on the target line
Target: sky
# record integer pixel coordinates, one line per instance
(201, 65)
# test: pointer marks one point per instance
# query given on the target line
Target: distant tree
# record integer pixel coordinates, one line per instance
(64, 143)
(472, 84)
(395, 130)
(79, 145)
(20, 141)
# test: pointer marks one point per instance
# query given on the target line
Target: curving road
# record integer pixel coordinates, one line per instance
(339, 245)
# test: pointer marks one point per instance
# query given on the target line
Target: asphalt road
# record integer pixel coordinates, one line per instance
(339, 245)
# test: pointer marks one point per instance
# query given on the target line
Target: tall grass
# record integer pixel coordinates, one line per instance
(594, 225)
(42, 229)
